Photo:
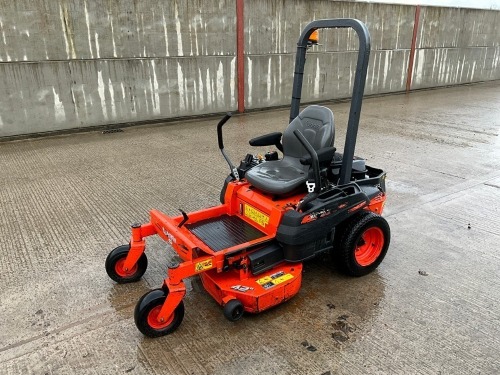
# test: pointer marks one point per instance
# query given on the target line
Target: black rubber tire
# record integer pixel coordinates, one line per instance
(349, 238)
(233, 310)
(146, 304)
(119, 254)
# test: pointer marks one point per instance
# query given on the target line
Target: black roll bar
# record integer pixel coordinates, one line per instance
(359, 82)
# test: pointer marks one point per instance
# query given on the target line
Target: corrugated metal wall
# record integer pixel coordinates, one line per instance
(80, 63)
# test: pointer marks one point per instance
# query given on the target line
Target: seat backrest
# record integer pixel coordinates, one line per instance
(316, 124)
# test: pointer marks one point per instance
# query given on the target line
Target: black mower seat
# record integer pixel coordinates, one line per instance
(284, 176)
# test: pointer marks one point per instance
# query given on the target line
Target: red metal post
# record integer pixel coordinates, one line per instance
(240, 62)
(412, 50)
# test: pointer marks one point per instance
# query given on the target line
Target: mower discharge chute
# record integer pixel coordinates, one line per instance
(274, 214)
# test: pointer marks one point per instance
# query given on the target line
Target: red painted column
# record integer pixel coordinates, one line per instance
(240, 62)
(412, 50)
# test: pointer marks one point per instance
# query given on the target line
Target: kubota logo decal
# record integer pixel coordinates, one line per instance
(316, 215)
(170, 238)
(357, 206)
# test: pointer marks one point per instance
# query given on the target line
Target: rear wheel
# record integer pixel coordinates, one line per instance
(146, 314)
(363, 243)
(115, 266)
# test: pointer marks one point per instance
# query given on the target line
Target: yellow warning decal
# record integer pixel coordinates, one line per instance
(202, 266)
(264, 280)
(274, 279)
(282, 279)
(256, 215)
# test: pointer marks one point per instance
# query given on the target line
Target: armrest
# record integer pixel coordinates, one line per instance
(272, 139)
(324, 155)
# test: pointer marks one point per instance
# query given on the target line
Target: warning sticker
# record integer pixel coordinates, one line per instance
(277, 278)
(256, 215)
(202, 266)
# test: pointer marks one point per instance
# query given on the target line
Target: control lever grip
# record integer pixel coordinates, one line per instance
(219, 129)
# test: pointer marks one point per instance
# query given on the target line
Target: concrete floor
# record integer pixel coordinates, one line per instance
(68, 200)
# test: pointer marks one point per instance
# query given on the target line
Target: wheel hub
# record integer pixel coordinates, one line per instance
(156, 323)
(369, 246)
(121, 271)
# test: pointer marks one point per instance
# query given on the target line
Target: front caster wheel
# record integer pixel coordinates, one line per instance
(233, 310)
(115, 262)
(363, 244)
(146, 314)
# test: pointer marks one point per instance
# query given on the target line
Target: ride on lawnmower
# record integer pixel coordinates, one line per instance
(275, 213)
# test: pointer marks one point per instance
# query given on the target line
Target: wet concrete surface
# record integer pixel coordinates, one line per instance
(432, 307)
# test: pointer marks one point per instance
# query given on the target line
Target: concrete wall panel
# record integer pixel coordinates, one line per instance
(67, 94)
(452, 66)
(459, 28)
(38, 30)
(77, 63)
(275, 26)
(272, 42)
(456, 46)
(326, 76)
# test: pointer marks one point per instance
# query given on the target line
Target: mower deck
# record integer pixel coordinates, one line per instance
(256, 293)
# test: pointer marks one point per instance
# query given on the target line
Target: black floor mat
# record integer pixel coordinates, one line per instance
(224, 231)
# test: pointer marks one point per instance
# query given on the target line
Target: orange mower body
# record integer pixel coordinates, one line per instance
(275, 213)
